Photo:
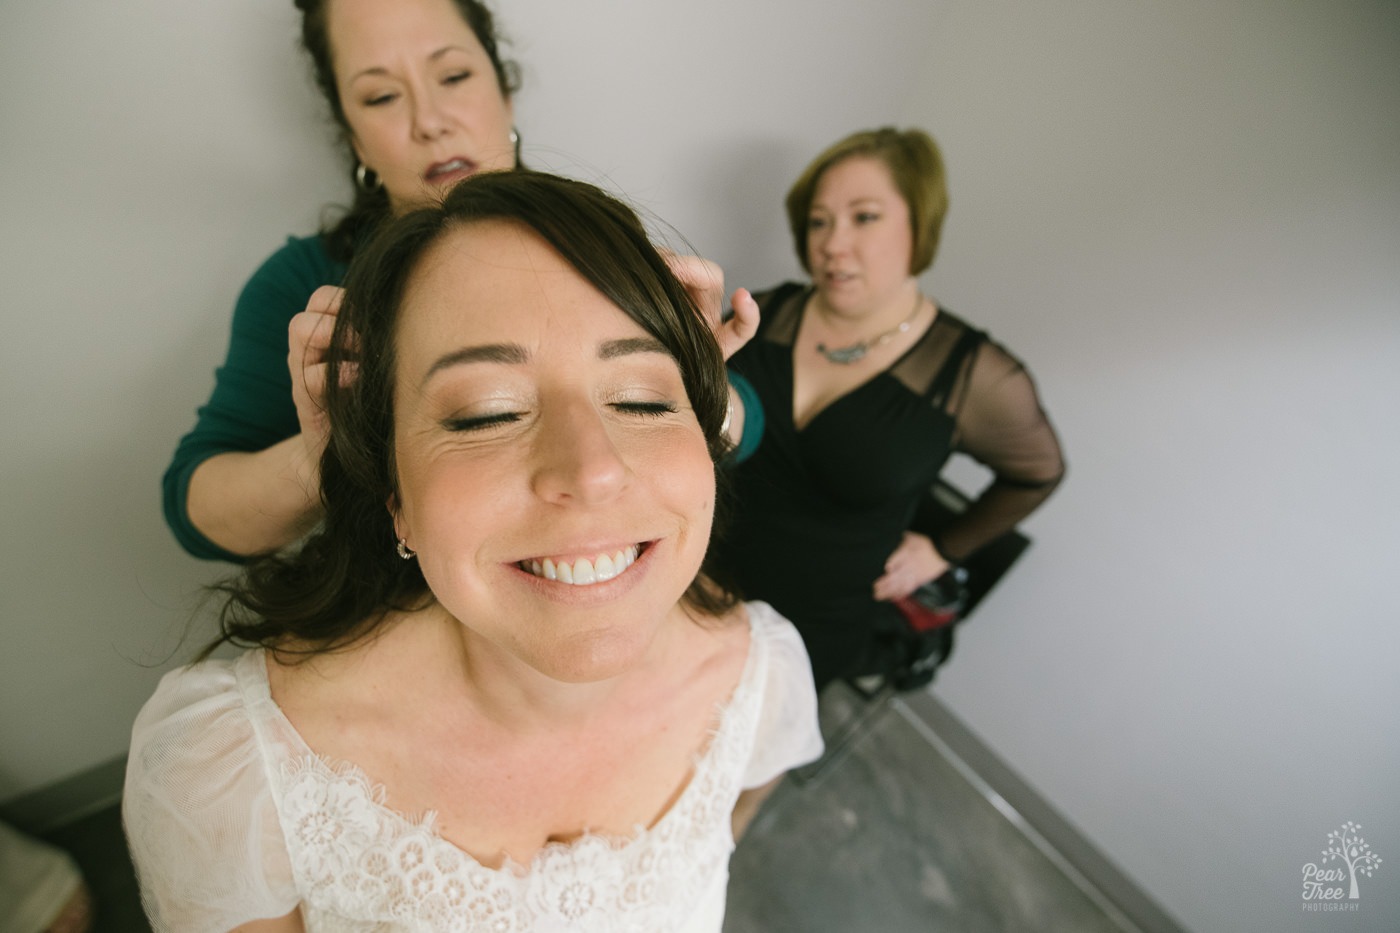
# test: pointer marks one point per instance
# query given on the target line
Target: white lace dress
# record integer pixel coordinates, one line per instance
(231, 818)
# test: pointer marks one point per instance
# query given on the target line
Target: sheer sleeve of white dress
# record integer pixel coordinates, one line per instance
(199, 811)
(788, 734)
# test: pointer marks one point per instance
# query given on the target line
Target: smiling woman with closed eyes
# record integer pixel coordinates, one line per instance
(497, 690)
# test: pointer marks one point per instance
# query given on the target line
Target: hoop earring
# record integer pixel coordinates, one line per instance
(406, 552)
(366, 178)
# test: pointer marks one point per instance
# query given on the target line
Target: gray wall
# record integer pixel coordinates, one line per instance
(1183, 217)
(1187, 218)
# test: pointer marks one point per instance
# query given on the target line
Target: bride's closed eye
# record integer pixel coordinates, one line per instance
(654, 409)
(480, 422)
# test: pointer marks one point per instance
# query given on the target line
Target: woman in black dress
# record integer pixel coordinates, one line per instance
(859, 389)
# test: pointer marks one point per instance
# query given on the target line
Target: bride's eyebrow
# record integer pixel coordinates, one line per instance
(515, 354)
(611, 349)
(512, 353)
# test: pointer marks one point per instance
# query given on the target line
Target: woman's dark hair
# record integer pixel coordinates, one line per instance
(915, 166)
(372, 205)
(337, 587)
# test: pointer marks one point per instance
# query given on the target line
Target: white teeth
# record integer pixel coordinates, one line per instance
(603, 568)
(583, 571)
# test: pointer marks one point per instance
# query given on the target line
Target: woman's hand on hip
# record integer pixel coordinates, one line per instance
(915, 562)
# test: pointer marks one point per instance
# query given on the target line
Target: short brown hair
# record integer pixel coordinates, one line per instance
(916, 166)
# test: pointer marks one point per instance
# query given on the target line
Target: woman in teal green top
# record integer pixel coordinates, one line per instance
(423, 99)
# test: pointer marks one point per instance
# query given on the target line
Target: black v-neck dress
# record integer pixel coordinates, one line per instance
(818, 510)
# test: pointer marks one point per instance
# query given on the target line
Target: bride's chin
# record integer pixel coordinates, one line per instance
(597, 656)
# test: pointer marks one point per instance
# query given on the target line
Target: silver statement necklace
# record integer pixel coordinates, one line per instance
(858, 350)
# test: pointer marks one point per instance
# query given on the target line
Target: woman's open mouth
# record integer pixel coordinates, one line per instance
(584, 571)
(451, 169)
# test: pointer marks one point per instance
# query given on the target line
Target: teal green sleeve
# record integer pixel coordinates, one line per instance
(753, 419)
(251, 406)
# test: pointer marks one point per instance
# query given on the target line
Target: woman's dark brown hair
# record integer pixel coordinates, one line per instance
(371, 205)
(347, 576)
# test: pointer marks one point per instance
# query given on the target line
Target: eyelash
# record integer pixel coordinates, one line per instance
(454, 78)
(481, 423)
(649, 409)
(645, 409)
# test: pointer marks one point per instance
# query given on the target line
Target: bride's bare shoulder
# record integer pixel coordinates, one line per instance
(304, 671)
(722, 641)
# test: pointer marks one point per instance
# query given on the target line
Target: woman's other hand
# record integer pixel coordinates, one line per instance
(915, 562)
(742, 324)
(704, 281)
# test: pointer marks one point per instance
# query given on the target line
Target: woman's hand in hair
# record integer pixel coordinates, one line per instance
(252, 502)
(736, 330)
(704, 280)
(309, 343)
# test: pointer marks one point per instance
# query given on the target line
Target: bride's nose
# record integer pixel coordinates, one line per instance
(576, 460)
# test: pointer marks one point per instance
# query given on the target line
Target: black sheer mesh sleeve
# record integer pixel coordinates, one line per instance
(1001, 424)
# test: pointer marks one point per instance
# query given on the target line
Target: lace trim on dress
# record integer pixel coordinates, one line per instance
(355, 857)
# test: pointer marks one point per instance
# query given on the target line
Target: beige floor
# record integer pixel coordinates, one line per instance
(892, 838)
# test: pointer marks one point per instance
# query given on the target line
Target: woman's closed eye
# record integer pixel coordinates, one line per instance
(456, 77)
(468, 423)
(480, 422)
(650, 409)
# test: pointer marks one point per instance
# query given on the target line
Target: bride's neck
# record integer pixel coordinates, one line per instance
(508, 691)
